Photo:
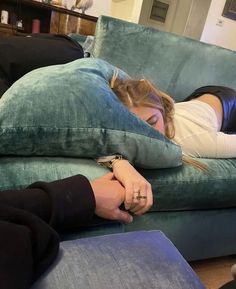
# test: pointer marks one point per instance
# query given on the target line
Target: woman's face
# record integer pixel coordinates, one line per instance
(151, 115)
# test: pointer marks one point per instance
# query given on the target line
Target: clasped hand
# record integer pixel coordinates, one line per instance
(109, 195)
(124, 185)
(138, 191)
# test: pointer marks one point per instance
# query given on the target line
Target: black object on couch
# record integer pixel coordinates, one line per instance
(21, 54)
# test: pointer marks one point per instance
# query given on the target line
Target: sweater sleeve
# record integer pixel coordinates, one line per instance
(28, 243)
(28, 246)
(62, 204)
(225, 145)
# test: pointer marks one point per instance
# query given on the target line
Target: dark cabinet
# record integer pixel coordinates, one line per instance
(50, 18)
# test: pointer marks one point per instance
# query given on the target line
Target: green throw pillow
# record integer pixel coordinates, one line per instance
(70, 110)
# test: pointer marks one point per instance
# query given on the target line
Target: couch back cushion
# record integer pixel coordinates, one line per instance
(177, 64)
(70, 110)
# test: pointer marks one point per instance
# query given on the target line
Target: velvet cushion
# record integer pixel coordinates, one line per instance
(70, 110)
(120, 261)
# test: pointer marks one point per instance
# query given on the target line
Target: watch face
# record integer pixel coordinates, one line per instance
(108, 161)
(107, 158)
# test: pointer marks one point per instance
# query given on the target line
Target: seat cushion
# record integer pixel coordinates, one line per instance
(70, 110)
(130, 260)
(182, 197)
(174, 189)
(187, 188)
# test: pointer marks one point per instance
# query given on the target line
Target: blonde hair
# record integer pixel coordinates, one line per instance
(142, 93)
(139, 93)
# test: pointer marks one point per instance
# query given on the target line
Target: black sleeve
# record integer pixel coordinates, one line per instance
(63, 204)
(28, 246)
(20, 55)
(3, 85)
(28, 243)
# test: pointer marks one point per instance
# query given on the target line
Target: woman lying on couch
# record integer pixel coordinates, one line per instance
(204, 125)
(30, 219)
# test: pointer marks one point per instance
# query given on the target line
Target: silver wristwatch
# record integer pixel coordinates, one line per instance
(108, 161)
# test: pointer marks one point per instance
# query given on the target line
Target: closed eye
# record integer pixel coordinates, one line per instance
(152, 120)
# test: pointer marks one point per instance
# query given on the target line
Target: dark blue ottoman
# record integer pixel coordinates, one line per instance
(135, 260)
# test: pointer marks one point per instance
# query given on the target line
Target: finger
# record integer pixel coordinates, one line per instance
(128, 196)
(149, 202)
(135, 197)
(142, 198)
(149, 197)
(136, 208)
(123, 216)
(139, 198)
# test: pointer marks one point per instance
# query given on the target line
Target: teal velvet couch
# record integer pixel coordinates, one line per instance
(194, 209)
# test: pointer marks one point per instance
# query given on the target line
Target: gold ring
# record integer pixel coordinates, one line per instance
(139, 197)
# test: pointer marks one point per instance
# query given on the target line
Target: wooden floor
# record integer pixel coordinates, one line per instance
(214, 272)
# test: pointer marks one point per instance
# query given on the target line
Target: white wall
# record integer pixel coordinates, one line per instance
(221, 34)
(171, 15)
(196, 18)
(185, 17)
(100, 7)
(122, 9)
(188, 20)
(128, 10)
(181, 16)
(136, 11)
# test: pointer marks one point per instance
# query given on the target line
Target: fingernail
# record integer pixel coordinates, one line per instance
(130, 219)
(127, 207)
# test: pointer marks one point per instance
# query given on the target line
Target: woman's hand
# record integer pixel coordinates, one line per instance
(138, 196)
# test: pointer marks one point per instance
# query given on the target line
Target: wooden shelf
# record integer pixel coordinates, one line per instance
(8, 29)
(9, 26)
(53, 19)
(50, 7)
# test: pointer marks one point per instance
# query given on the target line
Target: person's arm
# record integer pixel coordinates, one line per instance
(28, 245)
(70, 202)
(63, 204)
